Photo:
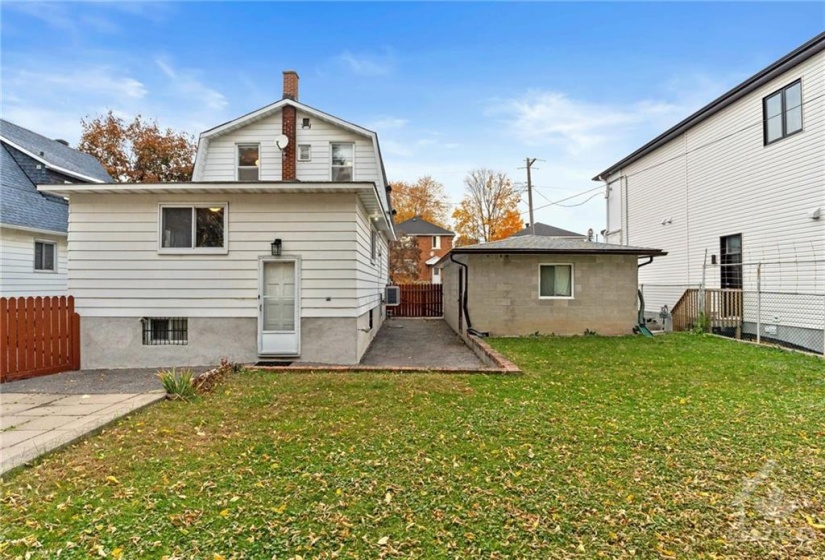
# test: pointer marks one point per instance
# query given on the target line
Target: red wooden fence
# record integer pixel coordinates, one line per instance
(38, 336)
(420, 300)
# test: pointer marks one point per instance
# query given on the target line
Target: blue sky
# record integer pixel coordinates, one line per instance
(449, 87)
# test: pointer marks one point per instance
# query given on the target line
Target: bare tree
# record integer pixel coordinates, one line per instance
(489, 210)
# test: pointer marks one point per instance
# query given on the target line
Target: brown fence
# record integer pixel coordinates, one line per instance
(722, 307)
(419, 300)
(38, 336)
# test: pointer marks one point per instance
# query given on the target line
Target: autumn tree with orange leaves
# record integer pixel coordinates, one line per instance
(489, 210)
(425, 198)
(138, 152)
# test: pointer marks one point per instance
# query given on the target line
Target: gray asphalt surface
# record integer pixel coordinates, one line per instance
(91, 382)
(428, 343)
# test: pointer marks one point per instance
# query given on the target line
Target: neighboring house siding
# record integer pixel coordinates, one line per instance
(718, 179)
(116, 270)
(17, 275)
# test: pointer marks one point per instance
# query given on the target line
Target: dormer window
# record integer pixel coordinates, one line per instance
(249, 162)
(342, 161)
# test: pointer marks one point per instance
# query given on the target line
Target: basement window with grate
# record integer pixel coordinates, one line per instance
(161, 331)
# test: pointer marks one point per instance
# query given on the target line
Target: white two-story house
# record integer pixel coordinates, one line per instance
(735, 194)
(277, 248)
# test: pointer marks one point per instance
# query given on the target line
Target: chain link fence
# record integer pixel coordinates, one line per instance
(779, 303)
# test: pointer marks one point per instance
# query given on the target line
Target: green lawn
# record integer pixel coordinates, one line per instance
(680, 446)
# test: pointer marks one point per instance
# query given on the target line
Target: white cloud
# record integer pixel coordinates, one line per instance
(186, 84)
(387, 123)
(368, 65)
(95, 80)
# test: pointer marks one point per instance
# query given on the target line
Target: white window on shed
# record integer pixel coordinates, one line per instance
(45, 256)
(343, 155)
(555, 281)
(249, 162)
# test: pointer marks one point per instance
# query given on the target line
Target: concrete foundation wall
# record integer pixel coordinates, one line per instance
(503, 295)
(117, 342)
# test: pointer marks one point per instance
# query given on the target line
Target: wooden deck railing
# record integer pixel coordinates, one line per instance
(722, 307)
(38, 336)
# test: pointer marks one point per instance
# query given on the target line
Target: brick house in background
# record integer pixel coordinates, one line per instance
(433, 241)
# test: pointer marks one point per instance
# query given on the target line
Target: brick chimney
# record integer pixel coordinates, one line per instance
(289, 127)
(291, 85)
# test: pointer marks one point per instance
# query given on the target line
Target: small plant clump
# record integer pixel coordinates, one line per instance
(178, 384)
(702, 324)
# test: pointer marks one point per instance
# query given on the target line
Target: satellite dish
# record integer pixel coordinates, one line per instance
(281, 141)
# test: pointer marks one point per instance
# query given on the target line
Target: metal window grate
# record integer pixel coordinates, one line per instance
(165, 330)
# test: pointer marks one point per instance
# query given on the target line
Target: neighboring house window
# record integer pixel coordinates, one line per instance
(782, 112)
(342, 161)
(555, 281)
(305, 152)
(165, 330)
(45, 256)
(249, 162)
(436, 242)
(197, 227)
(436, 272)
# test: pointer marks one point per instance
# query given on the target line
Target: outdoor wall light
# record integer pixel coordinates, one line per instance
(276, 248)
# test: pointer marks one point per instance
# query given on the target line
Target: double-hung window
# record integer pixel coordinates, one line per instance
(249, 162)
(782, 112)
(45, 256)
(193, 228)
(555, 281)
(304, 152)
(436, 242)
(343, 154)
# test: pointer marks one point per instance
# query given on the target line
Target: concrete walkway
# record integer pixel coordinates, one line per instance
(421, 343)
(45, 413)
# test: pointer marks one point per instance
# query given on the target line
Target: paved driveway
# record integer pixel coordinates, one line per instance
(424, 343)
(45, 413)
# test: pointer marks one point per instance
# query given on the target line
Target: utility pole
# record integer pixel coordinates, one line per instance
(530, 163)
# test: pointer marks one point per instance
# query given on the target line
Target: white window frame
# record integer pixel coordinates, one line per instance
(309, 153)
(373, 244)
(436, 242)
(54, 258)
(572, 280)
(330, 159)
(238, 160)
(194, 250)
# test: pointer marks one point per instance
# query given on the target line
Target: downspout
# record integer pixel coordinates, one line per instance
(463, 298)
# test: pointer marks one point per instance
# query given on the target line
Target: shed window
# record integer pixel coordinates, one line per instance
(193, 227)
(45, 256)
(249, 162)
(556, 281)
(782, 112)
(342, 161)
(165, 331)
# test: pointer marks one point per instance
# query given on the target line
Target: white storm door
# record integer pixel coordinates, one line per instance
(279, 317)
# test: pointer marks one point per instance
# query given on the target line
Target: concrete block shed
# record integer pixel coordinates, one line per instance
(534, 284)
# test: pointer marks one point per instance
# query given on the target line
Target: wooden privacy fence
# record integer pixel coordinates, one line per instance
(420, 300)
(722, 307)
(38, 336)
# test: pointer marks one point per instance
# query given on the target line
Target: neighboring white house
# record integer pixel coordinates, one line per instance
(278, 248)
(738, 183)
(33, 249)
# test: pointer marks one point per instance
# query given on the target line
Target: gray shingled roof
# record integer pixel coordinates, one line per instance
(548, 231)
(53, 152)
(20, 203)
(420, 226)
(533, 244)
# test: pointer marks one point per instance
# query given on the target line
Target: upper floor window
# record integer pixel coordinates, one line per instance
(197, 228)
(44, 256)
(342, 161)
(249, 162)
(304, 152)
(782, 112)
(436, 242)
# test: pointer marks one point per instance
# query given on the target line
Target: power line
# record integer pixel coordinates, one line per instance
(558, 202)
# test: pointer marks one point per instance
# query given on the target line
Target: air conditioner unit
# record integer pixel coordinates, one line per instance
(392, 296)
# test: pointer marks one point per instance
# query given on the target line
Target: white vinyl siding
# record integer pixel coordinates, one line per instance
(319, 137)
(222, 160)
(719, 178)
(117, 272)
(372, 273)
(17, 274)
